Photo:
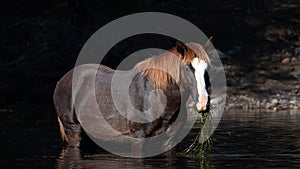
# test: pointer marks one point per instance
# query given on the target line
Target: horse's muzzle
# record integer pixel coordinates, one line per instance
(201, 104)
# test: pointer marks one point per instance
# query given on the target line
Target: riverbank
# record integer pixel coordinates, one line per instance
(269, 82)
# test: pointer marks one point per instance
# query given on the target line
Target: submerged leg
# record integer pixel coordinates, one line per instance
(137, 148)
(137, 133)
(69, 157)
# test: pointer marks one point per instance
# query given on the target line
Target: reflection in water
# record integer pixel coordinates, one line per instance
(72, 158)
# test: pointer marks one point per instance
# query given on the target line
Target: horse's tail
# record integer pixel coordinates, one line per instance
(62, 131)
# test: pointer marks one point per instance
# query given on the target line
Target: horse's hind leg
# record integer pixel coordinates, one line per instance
(69, 126)
(68, 157)
(70, 131)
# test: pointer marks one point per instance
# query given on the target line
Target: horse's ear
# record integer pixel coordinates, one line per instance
(208, 46)
(181, 48)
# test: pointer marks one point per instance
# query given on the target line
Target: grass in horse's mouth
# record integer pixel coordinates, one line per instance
(197, 147)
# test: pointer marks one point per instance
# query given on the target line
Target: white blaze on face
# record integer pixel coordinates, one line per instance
(200, 67)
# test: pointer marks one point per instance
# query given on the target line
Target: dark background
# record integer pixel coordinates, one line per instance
(40, 40)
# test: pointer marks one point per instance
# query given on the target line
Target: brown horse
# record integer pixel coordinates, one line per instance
(182, 67)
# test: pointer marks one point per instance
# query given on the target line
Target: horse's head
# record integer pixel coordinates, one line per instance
(194, 73)
(187, 64)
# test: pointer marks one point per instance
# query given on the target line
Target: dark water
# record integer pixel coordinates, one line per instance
(243, 139)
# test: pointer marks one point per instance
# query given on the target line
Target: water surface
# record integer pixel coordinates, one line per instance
(243, 139)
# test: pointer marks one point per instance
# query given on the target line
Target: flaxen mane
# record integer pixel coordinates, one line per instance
(165, 67)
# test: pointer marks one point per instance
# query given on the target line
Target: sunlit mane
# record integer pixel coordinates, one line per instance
(156, 68)
(165, 67)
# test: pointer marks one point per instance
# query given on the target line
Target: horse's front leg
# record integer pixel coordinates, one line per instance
(137, 147)
(137, 134)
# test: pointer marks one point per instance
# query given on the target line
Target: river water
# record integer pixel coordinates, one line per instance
(243, 139)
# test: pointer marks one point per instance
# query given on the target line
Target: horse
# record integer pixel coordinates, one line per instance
(181, 68)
